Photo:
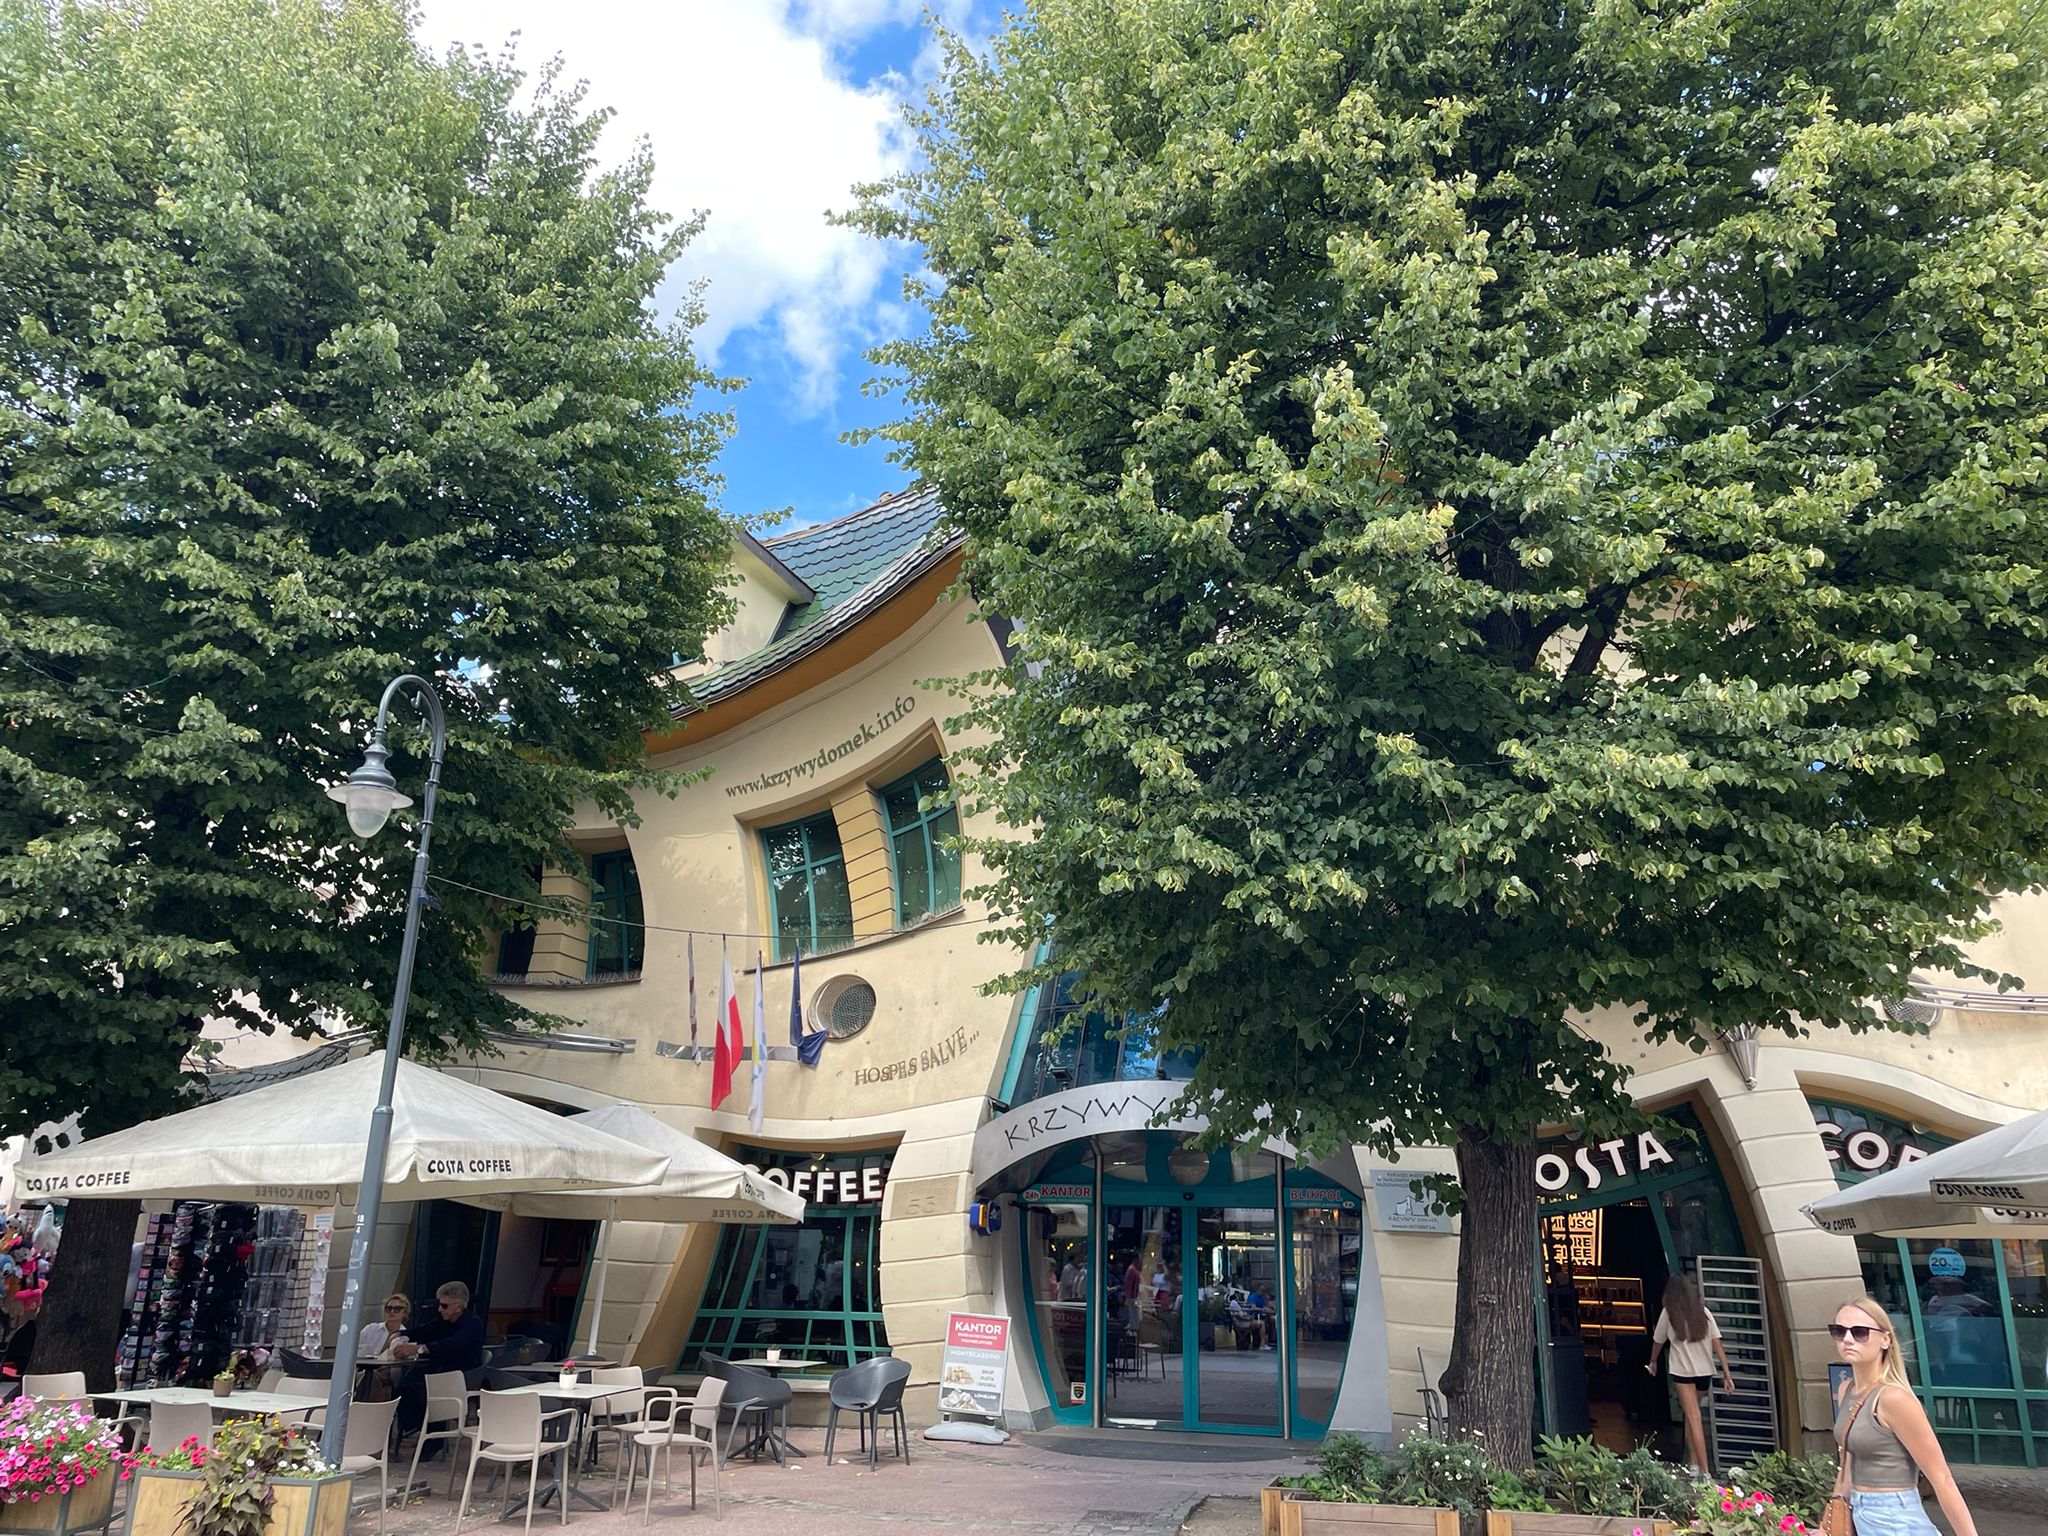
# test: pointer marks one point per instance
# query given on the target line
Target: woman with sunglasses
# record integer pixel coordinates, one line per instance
(1881, 1426)
(378, 1337)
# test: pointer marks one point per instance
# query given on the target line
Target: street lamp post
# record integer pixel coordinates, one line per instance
(370, 796)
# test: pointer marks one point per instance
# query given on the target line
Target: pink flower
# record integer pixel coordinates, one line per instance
(1727, 1506)
(1789, 1523)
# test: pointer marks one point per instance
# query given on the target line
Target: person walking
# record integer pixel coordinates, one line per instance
(1883, 1434)
(1688, 1329)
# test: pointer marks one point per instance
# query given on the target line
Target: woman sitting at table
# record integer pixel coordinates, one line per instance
(378, 1337)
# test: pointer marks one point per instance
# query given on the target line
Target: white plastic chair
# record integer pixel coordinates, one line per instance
(612, 1414)
(698, 1441)
(448, 1403)
(508, 1431)
(367, 1443)
(57, 1386)
(172, 1424)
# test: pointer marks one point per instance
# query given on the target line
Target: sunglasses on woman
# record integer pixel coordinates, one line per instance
(1857, 1331)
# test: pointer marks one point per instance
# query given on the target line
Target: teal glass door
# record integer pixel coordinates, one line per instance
(1236, 1362)
(1190, 1320)
(1144, 1337)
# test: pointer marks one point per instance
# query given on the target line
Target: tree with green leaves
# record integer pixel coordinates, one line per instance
(1514, 510)
(324, 361)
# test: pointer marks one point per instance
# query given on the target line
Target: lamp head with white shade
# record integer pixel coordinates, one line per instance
(370, 794)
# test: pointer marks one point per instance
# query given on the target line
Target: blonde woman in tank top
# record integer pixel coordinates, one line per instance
(1886, 1431)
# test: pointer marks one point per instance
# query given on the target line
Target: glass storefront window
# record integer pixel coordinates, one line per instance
(1064, 1047)
(1326, 1248)
(1056, 1268)
(812, 1288)
(1970, 1315)
(1961, 1320)
(2026, 1276)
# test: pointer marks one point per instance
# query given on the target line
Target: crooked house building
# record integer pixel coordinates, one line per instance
(1148, 1284)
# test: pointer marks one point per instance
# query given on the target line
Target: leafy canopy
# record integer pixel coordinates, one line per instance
(324, 361)
(1514, 510)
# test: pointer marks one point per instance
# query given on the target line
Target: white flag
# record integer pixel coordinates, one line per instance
(757, 1101)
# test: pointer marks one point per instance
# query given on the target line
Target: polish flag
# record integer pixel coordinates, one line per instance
(725, 1056)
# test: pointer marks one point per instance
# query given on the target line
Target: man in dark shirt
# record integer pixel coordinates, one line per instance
(451, 1340)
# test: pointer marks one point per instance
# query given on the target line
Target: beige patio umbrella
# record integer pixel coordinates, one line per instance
(701, 1184)
(1993, 1185)
(301, 1142)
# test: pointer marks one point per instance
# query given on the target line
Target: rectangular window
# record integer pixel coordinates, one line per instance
(617, 940)
(515, 950)
(921, 817)
(807, 897)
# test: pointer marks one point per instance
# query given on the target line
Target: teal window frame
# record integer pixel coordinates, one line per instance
(805, 931)
(1978, 1440)
(862, 1335)
(1090, 1050)
(924, 828)
(620, 932)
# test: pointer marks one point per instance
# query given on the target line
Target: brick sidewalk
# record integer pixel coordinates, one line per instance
(1033, 1486)
(1028, 1487)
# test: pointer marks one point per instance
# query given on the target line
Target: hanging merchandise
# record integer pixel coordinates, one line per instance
(212, 1280)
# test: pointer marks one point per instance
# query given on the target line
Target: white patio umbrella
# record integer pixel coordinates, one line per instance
(301, 1141)
(701, 1184)
(1993, 1185)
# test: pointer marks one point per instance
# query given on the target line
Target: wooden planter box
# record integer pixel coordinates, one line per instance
(301, 1506)
(1270, 1498)
(1508, 1522)
(80, 1510)
(1301, 1516)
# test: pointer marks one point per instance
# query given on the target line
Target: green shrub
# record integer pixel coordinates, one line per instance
(1347, 1462)
(1800, 1484)
(1656, 1489)
(1444, 1474)
(1580, 1477)
(1510, 1490)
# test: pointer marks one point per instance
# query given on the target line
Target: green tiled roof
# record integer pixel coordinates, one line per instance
(854, 564)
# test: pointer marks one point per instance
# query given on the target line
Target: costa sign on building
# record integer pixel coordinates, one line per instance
(1867, 1150)
(1593, 1163)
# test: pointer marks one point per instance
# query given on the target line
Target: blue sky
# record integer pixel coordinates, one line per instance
(762, 113)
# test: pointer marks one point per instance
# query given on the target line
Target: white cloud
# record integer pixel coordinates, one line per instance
(752, 119)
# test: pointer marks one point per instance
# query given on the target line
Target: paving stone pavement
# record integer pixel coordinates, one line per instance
(1026, 1488)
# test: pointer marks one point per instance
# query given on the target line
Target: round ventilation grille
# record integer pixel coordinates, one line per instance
(843, 1006)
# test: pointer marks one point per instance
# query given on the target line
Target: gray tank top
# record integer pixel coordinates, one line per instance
(1878, 1458)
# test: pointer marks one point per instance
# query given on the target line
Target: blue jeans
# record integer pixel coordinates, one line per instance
(1890, 1514)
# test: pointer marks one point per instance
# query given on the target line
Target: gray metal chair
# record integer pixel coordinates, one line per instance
(1436, 1414)
(870, 1390)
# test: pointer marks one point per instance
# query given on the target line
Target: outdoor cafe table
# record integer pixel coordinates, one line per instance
(777, 1445)
(279, 1403)
(579, 1395)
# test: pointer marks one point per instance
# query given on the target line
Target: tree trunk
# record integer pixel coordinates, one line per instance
(1490, 1382)
(80, 1326)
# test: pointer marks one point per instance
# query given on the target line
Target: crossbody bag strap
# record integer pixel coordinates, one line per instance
(1842, 1445)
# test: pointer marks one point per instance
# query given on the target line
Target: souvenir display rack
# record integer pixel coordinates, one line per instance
(214, 1278)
